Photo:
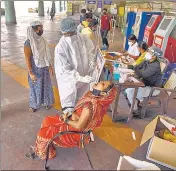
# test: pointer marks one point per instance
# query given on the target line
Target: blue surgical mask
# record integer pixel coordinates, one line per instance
(96, 92)
(40, 33)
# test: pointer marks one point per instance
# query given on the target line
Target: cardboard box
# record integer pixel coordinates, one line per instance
(160, 151)
(128, 163)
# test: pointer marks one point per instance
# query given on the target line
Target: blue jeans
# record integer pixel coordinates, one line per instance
(104, 34)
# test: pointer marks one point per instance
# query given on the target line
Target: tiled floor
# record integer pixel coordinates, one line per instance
(19, 127)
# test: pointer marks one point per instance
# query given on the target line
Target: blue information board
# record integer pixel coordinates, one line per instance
(99, 4)
(107, 2)
(91, 1)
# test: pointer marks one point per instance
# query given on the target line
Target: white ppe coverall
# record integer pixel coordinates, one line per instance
(73, 56)
(79, 28)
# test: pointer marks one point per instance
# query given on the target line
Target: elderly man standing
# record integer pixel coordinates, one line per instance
(149, 72)
(73, 62)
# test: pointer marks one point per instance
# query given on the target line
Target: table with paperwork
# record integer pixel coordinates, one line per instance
(131, 82)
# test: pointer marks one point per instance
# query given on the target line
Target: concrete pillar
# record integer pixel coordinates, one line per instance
(64, 6)
(41, 8)
(60, 2)
(59, 6)
(10, 15)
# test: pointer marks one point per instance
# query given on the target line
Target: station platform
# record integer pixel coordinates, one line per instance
(19, 127)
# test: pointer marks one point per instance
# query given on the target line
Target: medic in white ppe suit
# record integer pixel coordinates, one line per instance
(74, 62)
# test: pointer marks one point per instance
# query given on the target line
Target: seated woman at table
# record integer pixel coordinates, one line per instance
(88, 115)
(133, 51)
(142, 46)
(150, 73)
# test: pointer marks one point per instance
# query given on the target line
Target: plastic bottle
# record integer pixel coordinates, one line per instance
(116, 72)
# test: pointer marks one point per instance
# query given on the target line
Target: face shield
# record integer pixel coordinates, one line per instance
(148, 56)
(155, 51)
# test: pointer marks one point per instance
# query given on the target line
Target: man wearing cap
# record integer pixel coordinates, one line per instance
(74, 61)
(150, 73)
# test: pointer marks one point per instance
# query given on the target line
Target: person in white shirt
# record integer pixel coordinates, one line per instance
(133, 51)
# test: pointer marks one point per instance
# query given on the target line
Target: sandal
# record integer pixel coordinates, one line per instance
(47, 107)
(136, 113)
(32, 110)
(31, 154)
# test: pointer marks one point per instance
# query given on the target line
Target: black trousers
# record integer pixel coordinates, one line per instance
(104, 34)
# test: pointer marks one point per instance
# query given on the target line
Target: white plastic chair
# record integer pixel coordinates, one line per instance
(166, 94)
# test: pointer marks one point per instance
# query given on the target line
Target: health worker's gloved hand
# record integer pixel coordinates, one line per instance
(87, 79)
(68, 111)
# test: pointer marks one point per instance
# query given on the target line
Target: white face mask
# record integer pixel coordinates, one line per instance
(130, 43)
(148, 56)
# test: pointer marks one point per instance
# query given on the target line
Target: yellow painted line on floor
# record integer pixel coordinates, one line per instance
(116, 135)
(21, 76)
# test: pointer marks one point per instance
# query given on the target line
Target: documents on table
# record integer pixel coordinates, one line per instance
(126, 71)
(117, 53)
(132, 79)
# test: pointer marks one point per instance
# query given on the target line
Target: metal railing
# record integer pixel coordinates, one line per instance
(97, 33)
(111, 34)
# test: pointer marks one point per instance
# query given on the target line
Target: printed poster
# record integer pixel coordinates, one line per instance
(98, 67)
